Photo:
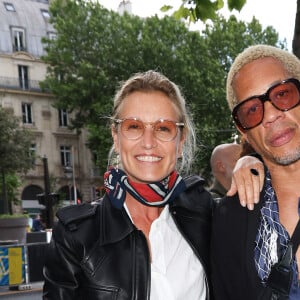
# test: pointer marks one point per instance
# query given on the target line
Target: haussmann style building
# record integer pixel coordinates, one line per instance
(22, 25)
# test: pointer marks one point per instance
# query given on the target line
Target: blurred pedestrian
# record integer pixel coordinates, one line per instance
(222, 162)
(37, 224)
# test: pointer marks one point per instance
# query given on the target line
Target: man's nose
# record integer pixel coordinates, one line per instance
(271, 113)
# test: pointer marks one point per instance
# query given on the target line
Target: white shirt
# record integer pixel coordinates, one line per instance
(176, 272)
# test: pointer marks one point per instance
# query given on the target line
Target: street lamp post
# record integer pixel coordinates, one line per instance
(47, 198)
(74, 176)
(70, 173)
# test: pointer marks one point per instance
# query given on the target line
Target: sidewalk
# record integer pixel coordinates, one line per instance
(35, 293)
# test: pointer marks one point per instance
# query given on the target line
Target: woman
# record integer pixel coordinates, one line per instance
(149, 236)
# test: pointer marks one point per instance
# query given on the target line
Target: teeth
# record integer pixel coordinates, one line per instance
(148, 158)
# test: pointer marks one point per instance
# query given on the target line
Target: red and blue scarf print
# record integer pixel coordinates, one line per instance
(156, 194)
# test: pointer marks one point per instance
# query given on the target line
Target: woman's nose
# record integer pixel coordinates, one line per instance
(148, 139)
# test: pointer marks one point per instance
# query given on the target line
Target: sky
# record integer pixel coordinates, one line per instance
(277, 13)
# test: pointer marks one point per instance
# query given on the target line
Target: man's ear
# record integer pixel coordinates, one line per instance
(220, 166)
(245, 136)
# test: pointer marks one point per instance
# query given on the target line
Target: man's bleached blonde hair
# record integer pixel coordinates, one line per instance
(289, 61)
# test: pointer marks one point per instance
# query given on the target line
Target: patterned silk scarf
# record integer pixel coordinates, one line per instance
(272, 239)
(153, 194)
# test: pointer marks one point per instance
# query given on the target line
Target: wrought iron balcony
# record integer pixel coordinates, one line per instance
(20, 84)
(19, 48)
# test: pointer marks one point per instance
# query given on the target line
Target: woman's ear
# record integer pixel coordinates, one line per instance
(115, 137)
(180, 146)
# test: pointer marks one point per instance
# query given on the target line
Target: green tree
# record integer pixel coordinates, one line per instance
(296, 37)
(12, 183)
(14, 155)
(96, 48)
(194, 10)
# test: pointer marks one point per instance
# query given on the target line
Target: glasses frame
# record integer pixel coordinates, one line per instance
(264, 98)
(177, 124)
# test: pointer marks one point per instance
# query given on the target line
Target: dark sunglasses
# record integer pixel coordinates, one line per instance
(250, 112)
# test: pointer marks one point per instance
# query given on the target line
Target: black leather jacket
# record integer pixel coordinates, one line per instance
(97, 253)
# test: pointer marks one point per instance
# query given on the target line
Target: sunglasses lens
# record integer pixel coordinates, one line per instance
(285, 96)
(250, 113)
(132, 129)
(165, 130)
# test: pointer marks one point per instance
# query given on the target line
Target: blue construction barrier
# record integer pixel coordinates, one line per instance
(12, 265)
(22, 264)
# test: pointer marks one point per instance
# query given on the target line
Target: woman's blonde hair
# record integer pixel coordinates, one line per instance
(150, 81)
(289, 61)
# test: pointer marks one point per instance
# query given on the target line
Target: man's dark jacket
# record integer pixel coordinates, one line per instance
(97, 253)
(234, 274)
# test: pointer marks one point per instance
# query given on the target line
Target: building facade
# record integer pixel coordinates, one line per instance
(23, 23)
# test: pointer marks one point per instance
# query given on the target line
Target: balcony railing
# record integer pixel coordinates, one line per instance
(19, 48)
(20, 84)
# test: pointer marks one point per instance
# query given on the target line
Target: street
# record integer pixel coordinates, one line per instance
(35, 293)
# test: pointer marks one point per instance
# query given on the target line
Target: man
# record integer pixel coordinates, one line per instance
(37, 224)
(263, 92)
(222, 162)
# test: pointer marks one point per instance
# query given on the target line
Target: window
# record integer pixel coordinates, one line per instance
(23, 77)
(32, 153)
(9, 6)
(65, 154)
(52, 35)
(45, 13)
(63, 117)
(26, 113)
(18, 39)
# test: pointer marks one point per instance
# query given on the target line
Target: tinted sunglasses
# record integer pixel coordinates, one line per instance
(283, 96)
(164, 130)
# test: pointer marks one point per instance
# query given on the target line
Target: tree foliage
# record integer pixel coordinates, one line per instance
(14, 144)
(14, 154)
(95, 49)
(194, 10)
(296, 37)
(12, 182)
